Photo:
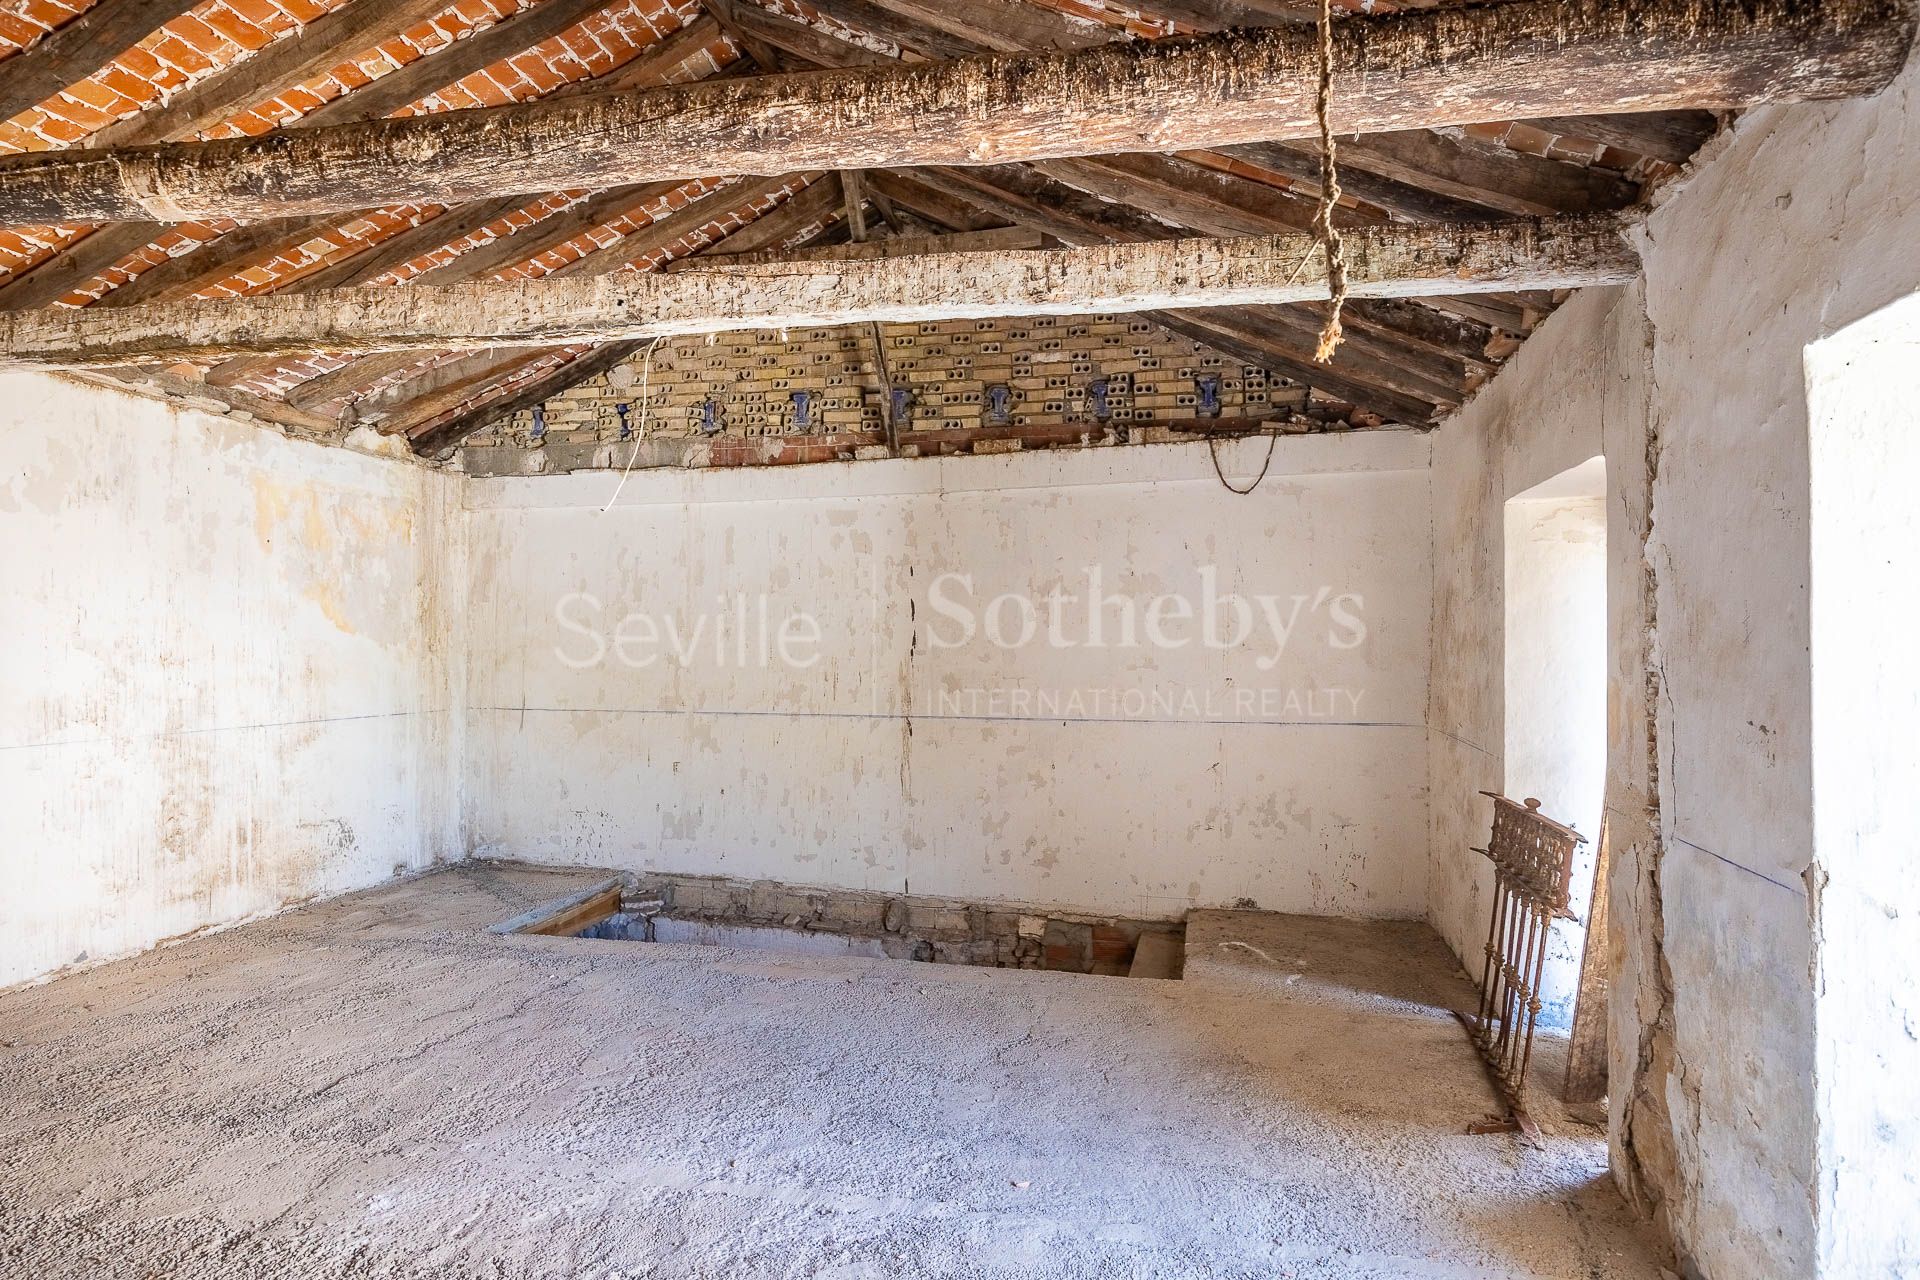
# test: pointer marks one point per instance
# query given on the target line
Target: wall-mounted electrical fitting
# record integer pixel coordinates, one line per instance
(999, 404)
(1098, 405)
(1207, 387)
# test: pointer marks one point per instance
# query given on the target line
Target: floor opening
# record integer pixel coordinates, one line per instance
(801, 920)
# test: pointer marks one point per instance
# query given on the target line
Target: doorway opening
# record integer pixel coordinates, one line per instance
(1555, 739)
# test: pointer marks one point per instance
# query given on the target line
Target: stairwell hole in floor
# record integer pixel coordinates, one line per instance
(805, 920)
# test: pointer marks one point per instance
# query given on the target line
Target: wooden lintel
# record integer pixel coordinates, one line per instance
(1405, 70)
(1383, 262)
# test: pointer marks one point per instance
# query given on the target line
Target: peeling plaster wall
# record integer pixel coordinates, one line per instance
(893, 762)
(226, 679)
(1798, 222)
(1576, 392)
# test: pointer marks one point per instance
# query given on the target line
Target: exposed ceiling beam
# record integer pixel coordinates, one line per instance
(1384, 261)
(662, 60)
(519, 31)
(757, 51)
(905, 246)
(509, 250)
(1413, 174)
(1484, 174)
(323, 43)
(1022, 194)
(1441, 350)
(76, 49)
(506, 252)
(435, 425)
(1390, 196)
(1396, 71)
(316, 47)
(798, 212)
(190, 272)
(1672, 136)
(940, 207)
(1184, 191)
(808, 44)
(937, 29)
(1211, 14)
(546, 386)
(423, 238)
(1192, 195)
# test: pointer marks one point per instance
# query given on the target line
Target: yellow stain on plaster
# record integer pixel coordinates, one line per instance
(279, 507)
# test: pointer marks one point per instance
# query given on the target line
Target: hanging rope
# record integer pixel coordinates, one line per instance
(1329, 193)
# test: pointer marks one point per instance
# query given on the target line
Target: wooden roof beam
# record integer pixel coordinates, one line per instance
(1481, 173)
(1438, 348)
(1218, 330)
(1395, 72)
(325, 42)
(190, 272)
(794, 214)
(903, 246)
(436, 425)
(1415, 174)
(1194, 196)
(79, 47)
(500, 255)
(1672, 136)
(1385, 261)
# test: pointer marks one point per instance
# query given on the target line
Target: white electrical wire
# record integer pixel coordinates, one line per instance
(639, 432)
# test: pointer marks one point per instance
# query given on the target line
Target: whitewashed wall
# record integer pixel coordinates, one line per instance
(1800, 222)
(225, 685)
(902, 758)
(1864, 596)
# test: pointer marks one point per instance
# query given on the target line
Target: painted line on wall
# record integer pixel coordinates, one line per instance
(919, 717)
(1796, 890)
(218, 728)
(1465, 742)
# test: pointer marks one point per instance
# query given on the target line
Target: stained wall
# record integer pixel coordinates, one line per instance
(228, 675)
(958, 721)
(1794, 225)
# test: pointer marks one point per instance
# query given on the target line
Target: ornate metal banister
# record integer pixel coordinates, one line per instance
(1532, 859)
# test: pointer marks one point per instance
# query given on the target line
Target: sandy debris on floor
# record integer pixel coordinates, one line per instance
(374, 1086)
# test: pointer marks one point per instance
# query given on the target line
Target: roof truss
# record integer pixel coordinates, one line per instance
(912, 81)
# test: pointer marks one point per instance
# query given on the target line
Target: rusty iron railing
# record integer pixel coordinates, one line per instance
(1532, 882)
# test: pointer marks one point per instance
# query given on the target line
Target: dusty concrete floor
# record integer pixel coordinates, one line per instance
(375, 1087)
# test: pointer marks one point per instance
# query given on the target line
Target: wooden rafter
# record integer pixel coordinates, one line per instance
(188, 273)
(1435, 351)
(663, 60)
(1388, 261)
(77, 48)
(320, 44)
(1436, 67)
(794, 216)
(434, 427)
(1192, 194)
(509, 252)
(908, 246)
